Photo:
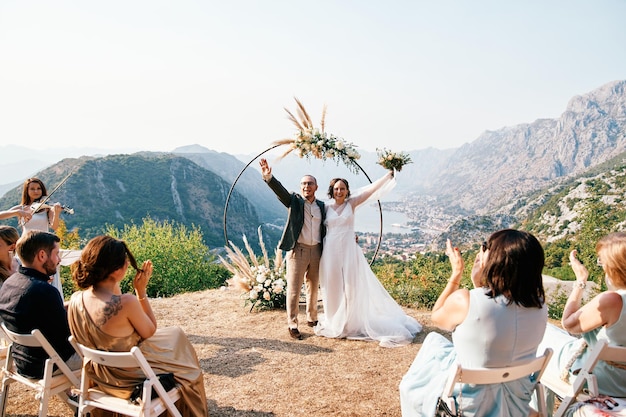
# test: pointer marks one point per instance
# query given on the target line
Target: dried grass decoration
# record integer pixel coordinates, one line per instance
(392, 160)
(263, 283)
(313, 142)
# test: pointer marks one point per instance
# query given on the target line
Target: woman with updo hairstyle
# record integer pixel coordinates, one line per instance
(98, 260)
(101, 317)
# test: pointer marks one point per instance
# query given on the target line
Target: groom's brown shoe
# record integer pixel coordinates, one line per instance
(295, 334)
(311, 323)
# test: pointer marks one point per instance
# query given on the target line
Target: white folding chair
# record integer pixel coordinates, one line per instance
(45, 387)
(483, 376)
(569, 393)
(4, 345)
(91, 397)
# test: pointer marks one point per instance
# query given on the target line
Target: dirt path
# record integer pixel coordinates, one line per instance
(253, 369)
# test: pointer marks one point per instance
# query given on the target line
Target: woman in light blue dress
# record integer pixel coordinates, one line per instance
(498, 323)
(602, 318)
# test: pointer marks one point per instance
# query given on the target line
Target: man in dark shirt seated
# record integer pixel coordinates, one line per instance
(28, 301)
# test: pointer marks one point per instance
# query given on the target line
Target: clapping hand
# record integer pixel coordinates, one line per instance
(140, 282)
(579, 269)
(456, 260)
(477, 268)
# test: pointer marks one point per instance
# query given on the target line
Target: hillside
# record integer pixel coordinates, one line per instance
(495, 181)
(123, 189)
(597, 197)
(499, 166)
(485, 184)
(249, 181)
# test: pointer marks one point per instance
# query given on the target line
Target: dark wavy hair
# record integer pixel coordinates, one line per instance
(513, 268)
(335, 181)
(102, 256)
(25, 197)
(10, 236)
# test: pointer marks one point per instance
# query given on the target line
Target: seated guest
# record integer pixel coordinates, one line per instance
(28, 301)
(8, 262)
(498, 323)
(602, 318)
(101, 317)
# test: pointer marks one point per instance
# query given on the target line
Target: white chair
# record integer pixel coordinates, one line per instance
(4, 345)
(569, 393)
(45, 387)
(91, 397)
(483, 376)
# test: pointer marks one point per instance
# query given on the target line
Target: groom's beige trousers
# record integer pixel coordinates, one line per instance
(303, 266)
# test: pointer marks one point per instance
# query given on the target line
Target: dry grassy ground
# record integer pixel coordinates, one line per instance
(253, 369)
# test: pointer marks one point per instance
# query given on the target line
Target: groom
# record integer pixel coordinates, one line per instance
(302, 238)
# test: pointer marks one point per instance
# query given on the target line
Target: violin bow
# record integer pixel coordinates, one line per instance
(45, 200)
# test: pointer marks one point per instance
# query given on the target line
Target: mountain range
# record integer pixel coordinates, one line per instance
(118, 190)
(494, 176)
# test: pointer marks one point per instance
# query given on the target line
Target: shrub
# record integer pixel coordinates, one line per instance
(556, 303)
(419, 283)
(181, 260)
(69, 240)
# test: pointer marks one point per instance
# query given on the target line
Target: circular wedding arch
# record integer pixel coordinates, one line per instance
(232, 187)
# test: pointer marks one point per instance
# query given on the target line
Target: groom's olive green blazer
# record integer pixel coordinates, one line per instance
(295, 220)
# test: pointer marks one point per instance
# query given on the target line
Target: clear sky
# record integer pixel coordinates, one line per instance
(155, 75)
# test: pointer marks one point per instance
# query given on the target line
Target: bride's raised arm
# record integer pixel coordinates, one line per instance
(373, 191)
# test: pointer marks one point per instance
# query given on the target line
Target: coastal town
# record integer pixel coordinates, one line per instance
(416, 236)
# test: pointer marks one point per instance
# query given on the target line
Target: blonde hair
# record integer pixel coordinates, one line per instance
(611, 250)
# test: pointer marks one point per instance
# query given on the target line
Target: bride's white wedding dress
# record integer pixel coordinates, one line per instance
(356, 305)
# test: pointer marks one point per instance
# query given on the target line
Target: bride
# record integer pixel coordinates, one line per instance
(356, 305)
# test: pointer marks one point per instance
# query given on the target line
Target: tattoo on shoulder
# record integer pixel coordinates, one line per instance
(111, 308)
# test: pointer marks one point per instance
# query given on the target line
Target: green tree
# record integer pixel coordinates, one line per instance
(419, 283)
(69, 240)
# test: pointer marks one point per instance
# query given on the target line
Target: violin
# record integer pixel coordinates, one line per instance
(37, 207)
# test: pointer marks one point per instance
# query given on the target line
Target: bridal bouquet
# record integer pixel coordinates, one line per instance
(262, 283)
(310, 141)
(392, 160)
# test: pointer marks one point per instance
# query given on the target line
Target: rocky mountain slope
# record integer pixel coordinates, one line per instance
(123, 189)
(489, 183)
(502, 165)
(596, 199)
(249, 182)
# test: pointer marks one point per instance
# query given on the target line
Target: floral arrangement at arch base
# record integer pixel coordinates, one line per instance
(263, 284)
(313, 142)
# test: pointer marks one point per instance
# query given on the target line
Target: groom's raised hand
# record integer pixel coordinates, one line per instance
(265, 168)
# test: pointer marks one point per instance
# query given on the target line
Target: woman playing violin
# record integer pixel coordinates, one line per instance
(44, 218)
(39, 216)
